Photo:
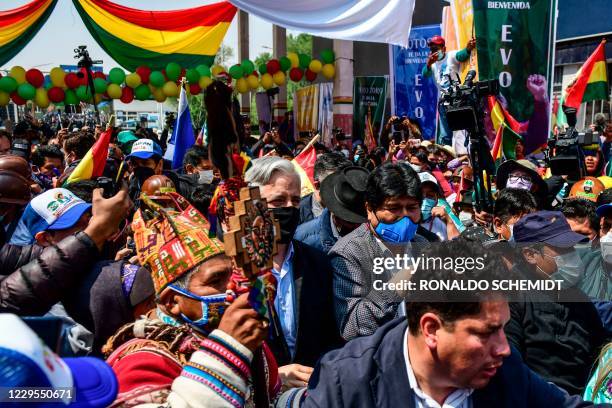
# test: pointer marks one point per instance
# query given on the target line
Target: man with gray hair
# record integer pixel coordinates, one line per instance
(304, 294)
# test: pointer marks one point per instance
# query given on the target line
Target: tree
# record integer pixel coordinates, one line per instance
(224, 54)
(262, 59)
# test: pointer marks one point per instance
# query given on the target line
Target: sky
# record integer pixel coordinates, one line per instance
(64, 31)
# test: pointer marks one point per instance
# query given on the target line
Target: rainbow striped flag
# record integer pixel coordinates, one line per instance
(591, 81)
(18, 26)
(92, 164)
(134, 37)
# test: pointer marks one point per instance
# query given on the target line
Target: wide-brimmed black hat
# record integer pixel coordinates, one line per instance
(343, 193)
(528, 167)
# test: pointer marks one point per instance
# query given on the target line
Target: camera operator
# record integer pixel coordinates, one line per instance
(271, 140)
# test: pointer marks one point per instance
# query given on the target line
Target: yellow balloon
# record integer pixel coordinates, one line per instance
(253, 81)
(133, 80)
(159, 95)
(217, 69)
(204, 82)
(242, 85)
(4, 98)
(329, 71)
(18, 73)
(170, 89)
(279, 78)
(295, 60)
(57, 77)
(113, 91)
(267, 81)
(315, 66)
(98, 98)
(41, 99)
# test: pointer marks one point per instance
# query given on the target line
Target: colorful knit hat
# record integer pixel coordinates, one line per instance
(171, 243)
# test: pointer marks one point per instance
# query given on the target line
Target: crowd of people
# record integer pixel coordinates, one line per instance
(131, 285)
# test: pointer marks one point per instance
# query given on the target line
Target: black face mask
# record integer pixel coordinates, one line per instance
(288, 218)
(141, 174)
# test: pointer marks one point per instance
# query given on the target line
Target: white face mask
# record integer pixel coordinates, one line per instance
(415, 167)
(605, 243)
(569, 269)
(206, 176)
(466, 218)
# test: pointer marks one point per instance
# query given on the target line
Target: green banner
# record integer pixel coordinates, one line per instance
(369, 94)
(515, 44)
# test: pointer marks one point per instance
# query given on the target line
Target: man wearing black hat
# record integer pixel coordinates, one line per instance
(343, 195)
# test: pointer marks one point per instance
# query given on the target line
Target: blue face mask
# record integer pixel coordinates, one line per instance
(426, 206)
(401, 231)
(213, 307)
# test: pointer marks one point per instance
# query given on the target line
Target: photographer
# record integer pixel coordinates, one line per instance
(271, 140)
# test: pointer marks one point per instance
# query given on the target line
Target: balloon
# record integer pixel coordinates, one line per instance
(217, 69)
(100, 85)
(285, 64)
(116, 76)
(193, 76)
(195, 89)
(304, 61)
(173, 71)
(99, 74)
(267, 81)
(253, 81)
(296, 74)
(8, 84)
(294, 58)
(70, 97)
(328, 56)
(142, 92)
(57, 77)
(329, 70)
(310, 76)
(113, 91)
(83, 93)
(157, 79)
(315, 66)
(279, 78)
(41, 99)
(144, 74)
(18, 73)
(98, 98)
(5, 98)
(242, 85)
(203, 70)
(56, 94)
(133, 80)
(26, 91)
(247, 66)
(262, 69)
(236, 71)
(127, 94)
(18, 100)
(35, 77)
(273, 66)
(205, 81)
(71, 80)
(159, 95)
(171, 89)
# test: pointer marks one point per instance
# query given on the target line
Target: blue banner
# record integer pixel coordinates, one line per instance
(415, 96)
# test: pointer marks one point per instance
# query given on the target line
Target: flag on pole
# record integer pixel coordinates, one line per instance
(506, 132)
(304, 165)
(183, 131)
(370, 139)
(591, 81)
(92, 164)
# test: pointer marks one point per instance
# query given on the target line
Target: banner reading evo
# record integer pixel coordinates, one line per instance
(369, 94)
(415, 96)
(514, 40)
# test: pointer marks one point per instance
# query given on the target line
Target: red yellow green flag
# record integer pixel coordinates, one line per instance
(506, 132)
(304, 165)
(92, 165)
(591, 82)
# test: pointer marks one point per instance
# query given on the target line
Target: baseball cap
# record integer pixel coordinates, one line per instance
(126, 136)
(27, 362)
(547, 227)
(21, 148)
(436, 40)
(145, 149)
(55, 209)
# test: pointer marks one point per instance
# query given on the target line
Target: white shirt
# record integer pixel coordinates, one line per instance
(460, 398)
(437, 226)
(284, 303)
(449, 65)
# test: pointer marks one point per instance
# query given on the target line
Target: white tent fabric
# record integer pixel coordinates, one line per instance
(385, 21)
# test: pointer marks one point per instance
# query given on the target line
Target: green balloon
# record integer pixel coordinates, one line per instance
(70, 97)
(203, 70)
(247, 67)
(263, 69)
(142, 92)
(285, 64)
(327, 56)
(116, 76)
(193, 76)
(173, 71)
(83, 93)
(304, 61)
(8, 84)
(100, 85)
(26, 91)
(157, 79)
(236, 71)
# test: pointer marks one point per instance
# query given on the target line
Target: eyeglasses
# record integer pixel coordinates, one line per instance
(520, 177)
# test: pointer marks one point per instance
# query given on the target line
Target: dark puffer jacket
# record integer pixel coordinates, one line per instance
(35, 287)
(15, 256)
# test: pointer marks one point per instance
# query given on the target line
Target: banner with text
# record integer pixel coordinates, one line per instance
(369, 94)
(326, 112)
(415, 96)
(306, 109)
(515, 43)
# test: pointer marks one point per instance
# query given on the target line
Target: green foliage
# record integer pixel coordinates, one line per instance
(224, 54)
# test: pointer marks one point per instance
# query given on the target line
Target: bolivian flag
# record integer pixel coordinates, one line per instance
(92, 164)
(591, 82)
(304, 165)
(19, 25)
(506, 132)
(134, 37)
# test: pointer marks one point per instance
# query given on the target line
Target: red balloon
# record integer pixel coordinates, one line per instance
(35, 77)
(144, 73)
(255, 73)
(273, 66)
(56, 94)
(99, 74)
(296, 74)
(183, 72)
(310, 76)
(195, 89)
(18, 100)
(127, 94)
(71, 80)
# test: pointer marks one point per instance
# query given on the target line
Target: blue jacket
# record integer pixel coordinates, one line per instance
(317, 232)
(370, 372)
